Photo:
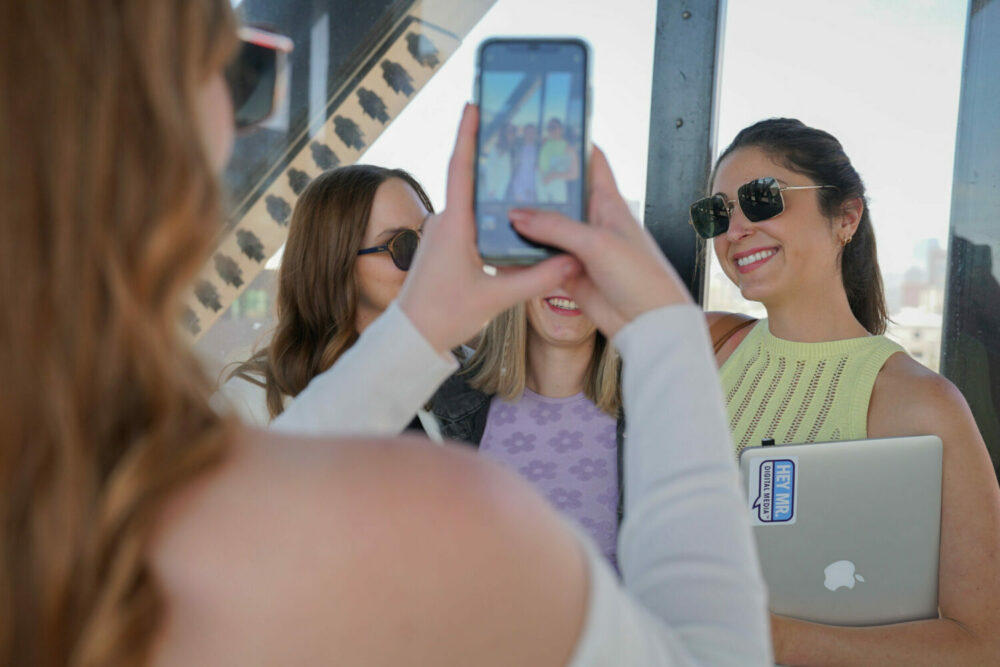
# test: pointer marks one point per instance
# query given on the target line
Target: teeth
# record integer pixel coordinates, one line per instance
(565, 304)
(756, 257)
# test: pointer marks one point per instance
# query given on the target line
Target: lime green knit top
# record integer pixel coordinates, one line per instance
(801, 392)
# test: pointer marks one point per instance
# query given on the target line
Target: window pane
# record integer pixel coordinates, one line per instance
(420, 137)
(862, 71)
(420, 140)
(354, 68)
(972, 314)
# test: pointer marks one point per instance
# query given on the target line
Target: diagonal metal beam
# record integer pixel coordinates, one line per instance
(367, 90)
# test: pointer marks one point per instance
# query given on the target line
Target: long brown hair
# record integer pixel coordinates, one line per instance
(108, 207)
(499, 365)
(317, 288)
(818, 156)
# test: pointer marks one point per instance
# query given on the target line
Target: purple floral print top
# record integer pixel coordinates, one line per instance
(566, 447)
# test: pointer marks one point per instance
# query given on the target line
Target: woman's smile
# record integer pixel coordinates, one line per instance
(562, 306)
(751, 260)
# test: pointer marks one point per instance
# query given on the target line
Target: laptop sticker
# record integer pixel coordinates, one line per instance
(773, 490)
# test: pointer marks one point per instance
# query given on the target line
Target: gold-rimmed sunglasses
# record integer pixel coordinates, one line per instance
(760, 199)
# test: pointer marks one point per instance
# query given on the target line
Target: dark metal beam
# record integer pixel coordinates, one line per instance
(970, 355)
(682, 127)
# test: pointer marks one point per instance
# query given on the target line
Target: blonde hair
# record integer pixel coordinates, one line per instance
(108, 208)
(499, 365)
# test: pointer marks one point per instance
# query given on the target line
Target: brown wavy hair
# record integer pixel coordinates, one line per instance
(317, 286)
(108, 207)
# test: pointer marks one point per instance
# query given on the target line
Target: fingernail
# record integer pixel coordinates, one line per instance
(518, 215)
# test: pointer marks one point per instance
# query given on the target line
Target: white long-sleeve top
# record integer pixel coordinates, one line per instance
(691, 590)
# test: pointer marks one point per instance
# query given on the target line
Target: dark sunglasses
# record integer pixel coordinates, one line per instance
(759, 200)
(256, 76)
(401, 247)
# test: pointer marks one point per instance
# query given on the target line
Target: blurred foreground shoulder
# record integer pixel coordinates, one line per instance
(375, 552)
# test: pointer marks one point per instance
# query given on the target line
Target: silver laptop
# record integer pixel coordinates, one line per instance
(848, 532)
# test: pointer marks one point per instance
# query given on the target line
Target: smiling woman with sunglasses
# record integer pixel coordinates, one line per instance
(351, 239)
(790, 225)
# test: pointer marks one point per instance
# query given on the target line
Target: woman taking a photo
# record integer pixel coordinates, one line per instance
(791, 228)
(139, 526)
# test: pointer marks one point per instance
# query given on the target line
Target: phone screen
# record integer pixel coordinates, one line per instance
(531, 147)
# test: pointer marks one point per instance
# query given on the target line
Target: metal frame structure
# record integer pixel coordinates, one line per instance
(682, 127)
(970, 354)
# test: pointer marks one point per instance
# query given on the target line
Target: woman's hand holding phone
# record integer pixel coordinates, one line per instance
(447, 294)
(449, 297)
(624, 272)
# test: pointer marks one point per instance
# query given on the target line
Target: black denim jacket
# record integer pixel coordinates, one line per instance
(462, 411)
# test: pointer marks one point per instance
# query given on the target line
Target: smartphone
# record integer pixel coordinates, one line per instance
(533, 139)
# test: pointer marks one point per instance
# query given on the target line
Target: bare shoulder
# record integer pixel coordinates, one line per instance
(910, 399)
(720, 323)
(713, 316)
(366, 552)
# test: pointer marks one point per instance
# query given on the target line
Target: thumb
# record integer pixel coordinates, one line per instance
(594, 305)
(601, 176)
(458, 196)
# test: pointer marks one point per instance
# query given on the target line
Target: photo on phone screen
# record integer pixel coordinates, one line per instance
(532, 141)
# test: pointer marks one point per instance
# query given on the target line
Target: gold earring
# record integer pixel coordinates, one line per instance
(846, 240)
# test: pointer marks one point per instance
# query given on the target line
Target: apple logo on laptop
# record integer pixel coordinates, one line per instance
(840, 574)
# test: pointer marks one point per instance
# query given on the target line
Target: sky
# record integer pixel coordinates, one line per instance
(881, 75)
